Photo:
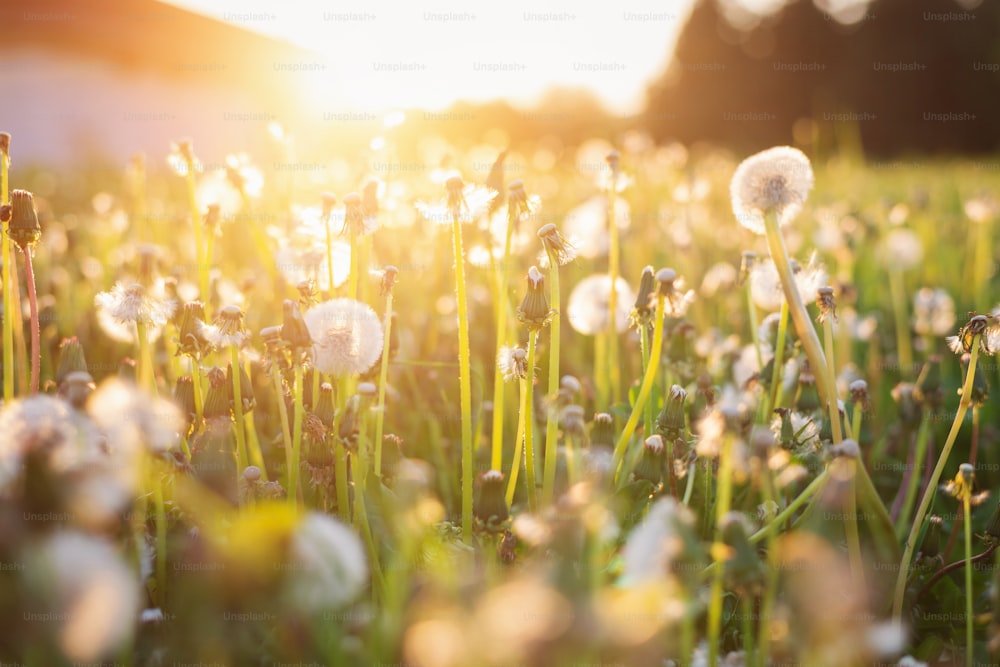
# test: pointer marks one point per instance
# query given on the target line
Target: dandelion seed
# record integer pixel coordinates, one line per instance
(228, 329)
(346, 335)
(777, 180)
(588, 306)
(765, 283)
(120, 309)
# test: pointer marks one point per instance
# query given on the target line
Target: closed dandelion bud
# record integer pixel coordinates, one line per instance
(246, 387)
(909, 409)
(642, 312)
(184, 397)
(934, 537)
(327, 201)
(743, 569)
(76, 388)
(491, 505)
(534, 310)
(71, 358)
(191, 331)
(826, 303)
(670, 421)
(293, 328)
(325, 409)
(602, 433)
(747, 262)
(650, 466)
(24, 229)
(389, 274)
(808, 397)
(220, 394)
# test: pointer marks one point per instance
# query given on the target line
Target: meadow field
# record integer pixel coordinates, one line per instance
(388, 410)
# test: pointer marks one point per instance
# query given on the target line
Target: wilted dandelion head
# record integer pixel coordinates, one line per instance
(128, 303)
(588, 306)
(82, 581)
(933, 312)
(346, 335)
(557, 247)
(513, 363)
(985, 327)
(464, 203)
(777, 181)
(228, 329)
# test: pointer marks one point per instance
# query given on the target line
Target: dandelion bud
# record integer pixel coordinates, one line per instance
(76, 388)
(328, 201)
(184, 398)
(534, 310)
(808, 397)
(558, 248)
(228, 329)
(191, 331)
(650, 466)
(325, 409)
(389, 274)
(24, 229)
(670, 421)
(602, 433)
(491, 505)
(246, 387)
(909, 409)
(251, 473)
(642, 311)
(293, 328)
(220, 394)
(826, 303)
(71, 358)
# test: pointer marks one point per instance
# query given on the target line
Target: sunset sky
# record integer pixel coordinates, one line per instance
(390, 53)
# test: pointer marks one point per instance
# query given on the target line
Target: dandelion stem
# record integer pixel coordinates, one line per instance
(499, 387)
(552, 417)
(8, 301)
(851, 528)
(831, 378)
(803, 325)
(515, 466)
(856, 417)
(966, 511)
(613, 370)
(293, 477)
(146, 379)
(241, 444)
(199, 241)
(649, 377)
(286, 433)
(904, 351)
(779, 360)
(383, 378)
(465, 380)
(923, 434)
(329, 253)
(527, 409)
(754, 333)
(931, 486)
(647, 416)
(723, 502)
(199, 400)
(159, 508)
(36, 351)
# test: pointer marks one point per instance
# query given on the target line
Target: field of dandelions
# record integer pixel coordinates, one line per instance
(400, 416)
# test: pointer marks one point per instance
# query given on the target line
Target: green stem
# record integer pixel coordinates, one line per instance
(515, 466)
(601, 370)
(647, 414)
(851, 528)
(803, 325)
(36, 351)
(969, 646)
(199, 238)
(613, 368)
(724, 494)
(242, 459)
(286, 433)
(146, 379)
(552, 417)
(159, 507)
(923, 435)
(647, 385)
(779, 360)
(383, 379)
(831, 378)
(297, 418)
(904, 350)
(528, 409)
(465, 380)
(770, 594)
(499, 387)
(856, 423)
(925, 500)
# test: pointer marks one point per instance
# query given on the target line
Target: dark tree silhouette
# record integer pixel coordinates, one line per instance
(914, 76)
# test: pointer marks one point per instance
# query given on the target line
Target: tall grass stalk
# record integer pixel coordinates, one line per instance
(552, 417)
(528, 412)
(465, 379)
(499, 386)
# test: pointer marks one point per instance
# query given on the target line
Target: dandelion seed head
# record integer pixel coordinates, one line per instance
(776, 180)
(132, 420)
(933, 312)
(588, 306)
(228, 329)
(901, 248)
(347, 336)
(512, 362)
(586, 225)
(331, 567)
(657, 542)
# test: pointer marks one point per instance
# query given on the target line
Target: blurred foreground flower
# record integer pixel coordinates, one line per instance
(588, 311)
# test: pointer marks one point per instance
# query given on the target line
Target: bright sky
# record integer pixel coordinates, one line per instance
(393, 53)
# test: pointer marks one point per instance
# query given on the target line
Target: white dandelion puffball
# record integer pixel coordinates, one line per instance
(83, 585)
(331, 565)
(655, 543)
(778, 179)
(901, 248)
(588, 309)
(132, 419)
(586, 225)
(120, 309)
(933, 312)
(346, 334)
